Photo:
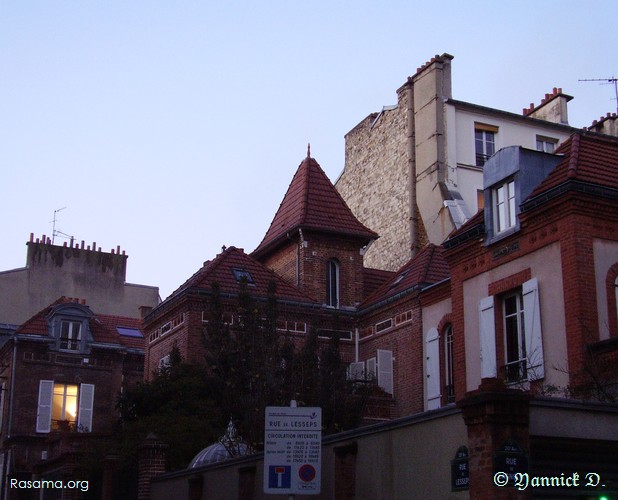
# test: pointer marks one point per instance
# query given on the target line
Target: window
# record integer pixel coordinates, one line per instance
(69, 403)
(64, 405)
(504, 206)
(546, 144)
(523, 340)
(514, 338)
(332, 283)
(70, 335)
(449, 367)
(243, 274)
(484, 142)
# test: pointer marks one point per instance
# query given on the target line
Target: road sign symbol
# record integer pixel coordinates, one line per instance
(279, 476)
(307, 473)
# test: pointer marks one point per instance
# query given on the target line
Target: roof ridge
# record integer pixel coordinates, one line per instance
(573, 160)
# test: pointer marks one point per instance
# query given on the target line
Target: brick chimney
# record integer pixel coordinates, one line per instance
(151, 463)
(553, 108)
(607, 124)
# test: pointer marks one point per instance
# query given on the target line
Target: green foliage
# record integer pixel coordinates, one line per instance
(256, 366)
(178, 406)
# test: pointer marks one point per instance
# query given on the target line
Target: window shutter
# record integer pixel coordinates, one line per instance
(432, 367)
(385, 370)
(532, 330)
(44, 412)
(356, 371)
(86, 402)
(371, 369)
(488, 338)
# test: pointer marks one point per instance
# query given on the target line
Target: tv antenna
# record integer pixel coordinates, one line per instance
(613, 80)
(57, 231)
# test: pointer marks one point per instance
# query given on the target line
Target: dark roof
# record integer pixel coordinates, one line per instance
(428, 267)
(233, 262)
(374, 279)
(588, 158)
(104, 328)
(312, 202)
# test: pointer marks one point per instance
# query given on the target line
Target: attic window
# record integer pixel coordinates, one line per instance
(241, 274)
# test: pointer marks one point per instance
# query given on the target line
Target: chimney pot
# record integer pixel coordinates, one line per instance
(31, 237)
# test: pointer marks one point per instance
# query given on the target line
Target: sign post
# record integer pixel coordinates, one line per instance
(292, 450)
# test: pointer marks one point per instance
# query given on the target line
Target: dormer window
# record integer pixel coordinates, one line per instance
(332, 283)
(70, 335)
(505, 215)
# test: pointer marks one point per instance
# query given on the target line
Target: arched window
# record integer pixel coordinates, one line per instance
(332, 283)
(449, 368)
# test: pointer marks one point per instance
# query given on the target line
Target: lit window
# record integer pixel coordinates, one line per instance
(515, 338)
(545, 144)
(504, 206)
(64, 405)
(449, 372)
(332, 283)
(484, 142)
(70, 335)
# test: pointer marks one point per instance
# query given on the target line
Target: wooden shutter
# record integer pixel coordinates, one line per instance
(86, 403)
(532, 330)
(432, 367)
(385, 370)
(488, 338)
(44, 411)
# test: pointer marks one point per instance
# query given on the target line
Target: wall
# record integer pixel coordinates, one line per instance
(605, 256)
(53, 271)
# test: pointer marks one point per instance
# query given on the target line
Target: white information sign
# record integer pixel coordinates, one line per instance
(292, 450)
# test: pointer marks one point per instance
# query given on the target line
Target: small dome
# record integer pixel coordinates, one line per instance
(229, 446)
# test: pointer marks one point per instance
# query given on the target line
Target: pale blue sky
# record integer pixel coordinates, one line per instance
(172, 128)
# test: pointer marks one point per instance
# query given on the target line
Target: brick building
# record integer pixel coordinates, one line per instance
(496, 348)
(61, 373)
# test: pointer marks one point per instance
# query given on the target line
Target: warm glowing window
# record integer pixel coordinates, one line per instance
(64, 405)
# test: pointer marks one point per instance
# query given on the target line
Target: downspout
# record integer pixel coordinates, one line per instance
(412, 170)
(7, 465)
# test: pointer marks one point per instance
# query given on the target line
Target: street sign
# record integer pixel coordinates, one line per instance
(292, 450)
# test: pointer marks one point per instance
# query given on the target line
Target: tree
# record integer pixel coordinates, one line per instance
(257, 366)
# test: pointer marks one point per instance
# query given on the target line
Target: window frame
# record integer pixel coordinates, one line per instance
(333, 283)
(484, 136)
(69, 342)
(84, 405)
(504, 207)
(515, 363)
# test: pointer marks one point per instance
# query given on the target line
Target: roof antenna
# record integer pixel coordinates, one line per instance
(58, 231)
(613, 80)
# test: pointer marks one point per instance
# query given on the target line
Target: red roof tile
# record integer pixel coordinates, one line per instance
(312, 202)
(427, 267)
(374, 279)
(587, 158)
(103, 327)
(221, 270)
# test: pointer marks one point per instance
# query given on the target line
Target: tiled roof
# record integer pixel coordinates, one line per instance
(222, 271)
(374, 279)
(427, 267)
(588, 158)
(102, 327)
(312, 202)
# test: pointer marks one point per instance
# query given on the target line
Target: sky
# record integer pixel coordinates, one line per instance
(172, 128)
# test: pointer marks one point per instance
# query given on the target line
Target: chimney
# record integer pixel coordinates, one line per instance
(607, 125)
(553, 108)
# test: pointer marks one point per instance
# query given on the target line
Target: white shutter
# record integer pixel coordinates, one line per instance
(532, 330)
(371, 369)
(44, 412)
(86, 402)
(432, 367)
(356, 371)
(385, 370)
(488, 338)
